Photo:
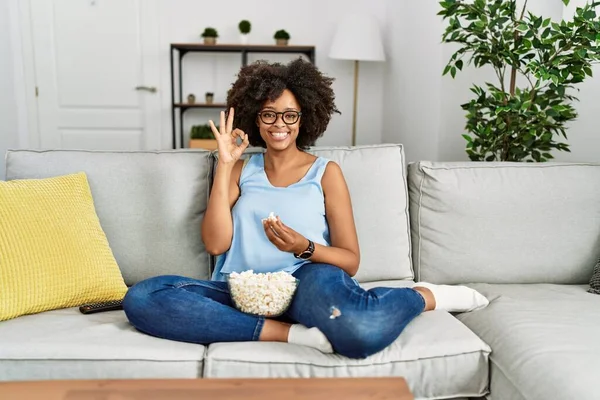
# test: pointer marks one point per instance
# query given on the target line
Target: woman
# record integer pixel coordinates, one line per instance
(284, 109)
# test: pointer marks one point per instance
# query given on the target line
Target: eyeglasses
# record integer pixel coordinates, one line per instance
(288, 117)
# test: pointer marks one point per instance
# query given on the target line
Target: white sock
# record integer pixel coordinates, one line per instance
(313, 337)
(455, 298)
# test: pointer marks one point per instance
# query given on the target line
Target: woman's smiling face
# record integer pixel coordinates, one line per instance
(279, 121)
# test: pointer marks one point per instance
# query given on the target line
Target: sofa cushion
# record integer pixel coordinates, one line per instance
(150, 203)
(65, 344)
(495, 222)
(544, 340)
(595, 280)
(376, 179)
(53, 251)
(439, 357)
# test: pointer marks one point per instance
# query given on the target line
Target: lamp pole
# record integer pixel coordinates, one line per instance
(355, 103)
(357, 45)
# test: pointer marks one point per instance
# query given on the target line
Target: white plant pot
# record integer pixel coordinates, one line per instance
(244, 39)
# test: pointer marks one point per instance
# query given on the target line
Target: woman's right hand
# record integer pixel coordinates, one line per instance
(226, 136)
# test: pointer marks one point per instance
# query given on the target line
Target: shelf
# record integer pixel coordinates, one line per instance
(236, 48)
(185, 106)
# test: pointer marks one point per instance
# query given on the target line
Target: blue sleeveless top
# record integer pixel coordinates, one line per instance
(301, 206)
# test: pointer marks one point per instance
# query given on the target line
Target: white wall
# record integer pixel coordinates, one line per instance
(311, 22)
(403, 100)
(422, 108)
(8, 109)
(184, 20)
(412, 92)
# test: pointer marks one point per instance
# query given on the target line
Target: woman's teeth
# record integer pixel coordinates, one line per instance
(279, 135)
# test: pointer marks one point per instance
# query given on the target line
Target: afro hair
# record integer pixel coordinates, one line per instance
(261, 81)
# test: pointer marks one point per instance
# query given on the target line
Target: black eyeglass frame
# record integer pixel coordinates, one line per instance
(298, 114)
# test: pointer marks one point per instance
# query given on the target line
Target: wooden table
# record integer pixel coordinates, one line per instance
(184, 389)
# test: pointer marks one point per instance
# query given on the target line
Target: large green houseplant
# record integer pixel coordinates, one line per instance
(537, 62)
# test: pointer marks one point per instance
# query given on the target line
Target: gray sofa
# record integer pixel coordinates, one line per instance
(525, 235)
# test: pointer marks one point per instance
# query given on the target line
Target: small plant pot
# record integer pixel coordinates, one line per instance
(191, 99)
(207, 144)
(210, 40)
(209, 98)
(244, 39)
(281, 42)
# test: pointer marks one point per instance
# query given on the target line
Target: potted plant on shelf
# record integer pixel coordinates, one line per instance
(538, 64)
(245, 26)
(191, 98)
(209, 97)
(210, 35)
(201, 137)
(281, 37)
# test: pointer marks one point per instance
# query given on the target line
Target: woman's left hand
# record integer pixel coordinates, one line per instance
(285, 238)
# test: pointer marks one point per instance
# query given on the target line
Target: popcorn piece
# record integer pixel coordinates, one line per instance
(267, 294)
(271, 217)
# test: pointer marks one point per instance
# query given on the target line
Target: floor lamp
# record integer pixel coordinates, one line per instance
(357, 38)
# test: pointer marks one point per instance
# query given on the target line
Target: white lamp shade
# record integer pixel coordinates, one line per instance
(357, 37)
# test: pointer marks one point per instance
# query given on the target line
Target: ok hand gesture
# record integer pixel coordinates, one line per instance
(229, 150)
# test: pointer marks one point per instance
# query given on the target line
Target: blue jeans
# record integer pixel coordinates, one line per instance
(189, 310)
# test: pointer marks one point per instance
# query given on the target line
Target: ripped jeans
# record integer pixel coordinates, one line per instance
(356, 321)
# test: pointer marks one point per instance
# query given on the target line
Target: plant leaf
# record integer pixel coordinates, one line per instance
(524, 124)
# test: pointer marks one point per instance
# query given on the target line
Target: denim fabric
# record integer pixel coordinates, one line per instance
(357, 322)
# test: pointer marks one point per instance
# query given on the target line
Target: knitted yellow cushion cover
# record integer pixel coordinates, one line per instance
(53, 251)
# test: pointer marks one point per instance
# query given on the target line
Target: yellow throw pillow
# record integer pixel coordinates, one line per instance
(53, 251)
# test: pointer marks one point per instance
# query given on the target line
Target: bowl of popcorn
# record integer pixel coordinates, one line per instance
(266, 294)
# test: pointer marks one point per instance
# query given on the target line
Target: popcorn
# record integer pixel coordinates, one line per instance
(271, 217)
(267, 294)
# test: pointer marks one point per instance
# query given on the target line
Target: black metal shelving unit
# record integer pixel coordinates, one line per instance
(179, 50)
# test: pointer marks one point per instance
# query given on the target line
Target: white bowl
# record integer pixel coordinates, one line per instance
(264, 294)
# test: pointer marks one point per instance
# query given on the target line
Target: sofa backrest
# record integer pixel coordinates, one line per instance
(376, 179)
(150, 203)
(505, 222)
